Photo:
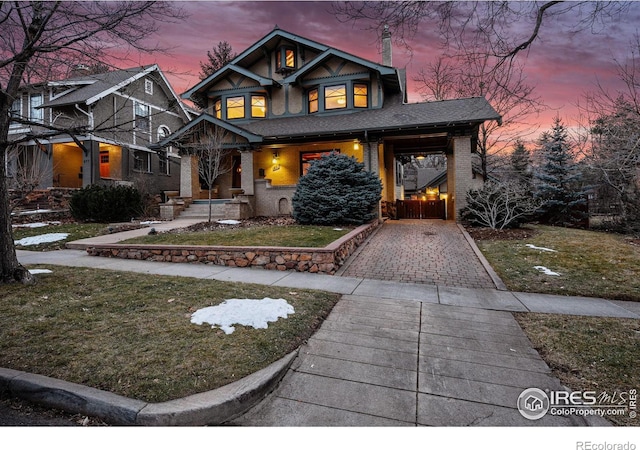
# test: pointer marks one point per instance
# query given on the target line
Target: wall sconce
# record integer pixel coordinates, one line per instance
(356, 145)
(276, 158)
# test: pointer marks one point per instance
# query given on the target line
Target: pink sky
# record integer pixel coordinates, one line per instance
(561, 65)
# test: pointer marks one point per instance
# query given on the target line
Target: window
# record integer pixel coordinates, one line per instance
(360, 96)
(307, 158)
(164, 166)
(217, 109)
(16, 110)
(148, 87)
(235, 108)
(258, 106)
(335, 97)
(313, 101)
(36, 114)
(142, 117)
(164, 132)
(285, 59)
(141, 161)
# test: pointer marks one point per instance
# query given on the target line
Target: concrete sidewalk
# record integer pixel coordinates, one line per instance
(390, 353)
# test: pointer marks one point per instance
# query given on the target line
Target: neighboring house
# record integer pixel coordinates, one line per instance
(111, 119)
(287, 100)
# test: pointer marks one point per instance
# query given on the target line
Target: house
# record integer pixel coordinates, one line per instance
(287, 100)
(110, 120)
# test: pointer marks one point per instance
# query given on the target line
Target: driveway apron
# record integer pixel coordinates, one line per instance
(419, 251)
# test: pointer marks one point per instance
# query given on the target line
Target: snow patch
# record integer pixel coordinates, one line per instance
(37, 271)
(546, 271)
(228, 222)
(542, 248)
(30, 225)
(150, 222)
(41, 239)
(250, 312)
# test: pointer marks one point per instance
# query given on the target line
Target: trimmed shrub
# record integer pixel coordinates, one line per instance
(103, 204)
(336, 190)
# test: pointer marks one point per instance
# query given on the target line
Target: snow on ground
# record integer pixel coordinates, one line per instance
(250, 312)
(41, 239)
(228, 222)
(30, 225)
(150, 222)
(38, 271)
(546, 271)
(541, 248)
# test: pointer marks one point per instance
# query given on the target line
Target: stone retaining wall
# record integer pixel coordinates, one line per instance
(315, 260)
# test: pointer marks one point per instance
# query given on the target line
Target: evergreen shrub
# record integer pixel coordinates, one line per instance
(103, 204)
(336, 190)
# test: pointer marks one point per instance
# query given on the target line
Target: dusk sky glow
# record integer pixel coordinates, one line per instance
(561, 65)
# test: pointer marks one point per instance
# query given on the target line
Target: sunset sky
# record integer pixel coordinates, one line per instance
(561, 65)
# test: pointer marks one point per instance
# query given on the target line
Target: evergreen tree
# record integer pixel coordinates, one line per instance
(336, 190)
(559, 180)
(521, 166)
(221, 55)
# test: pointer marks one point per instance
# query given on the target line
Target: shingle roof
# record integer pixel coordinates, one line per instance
(390, 118)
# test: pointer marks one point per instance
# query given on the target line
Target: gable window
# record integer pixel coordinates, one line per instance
(141, 161)
(335, 97)
(35, 113)
(258, 106)
(285, 59)
(217, 109)
(148, 87)
(360, 96)
(313, 101)
(235, 108)
(142, 119)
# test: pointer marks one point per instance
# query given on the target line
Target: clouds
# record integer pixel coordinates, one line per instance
(562, 64)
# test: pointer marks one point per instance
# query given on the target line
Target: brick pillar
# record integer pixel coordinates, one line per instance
(189, 180)
(247, 175)
(459, 176)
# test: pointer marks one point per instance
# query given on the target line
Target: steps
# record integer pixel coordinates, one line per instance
(199, 209)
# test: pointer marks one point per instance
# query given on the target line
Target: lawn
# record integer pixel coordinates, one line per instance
(75, 231)
(131, 334)
(589, 263)
(260, 236)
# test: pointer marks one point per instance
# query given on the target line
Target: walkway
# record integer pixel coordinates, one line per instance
(392, 353)
(433, 252)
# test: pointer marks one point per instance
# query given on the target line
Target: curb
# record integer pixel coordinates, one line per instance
(207, 408)
(499, 284)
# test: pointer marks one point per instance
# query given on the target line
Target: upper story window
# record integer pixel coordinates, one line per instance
(16, 110)
(35, 113)
(285, 59)
(142, 117)
(235, 108)
(148, 87)
(217, 109)
(347, 95)
(258, 106)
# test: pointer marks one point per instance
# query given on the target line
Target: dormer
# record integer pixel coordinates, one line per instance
(286, 59)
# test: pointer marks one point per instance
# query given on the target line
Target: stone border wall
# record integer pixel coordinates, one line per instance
(315, 260)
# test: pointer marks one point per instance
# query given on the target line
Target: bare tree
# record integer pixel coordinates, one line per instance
(38, 39)
(222, 54)
(214, 157)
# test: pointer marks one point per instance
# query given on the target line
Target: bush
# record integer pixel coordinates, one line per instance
(499, 206)
(336, 190)
(104, 204)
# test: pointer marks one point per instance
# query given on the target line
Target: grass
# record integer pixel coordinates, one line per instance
(76, 231)
(589, 353)
(591, 264)
(131, 334)
(272, 236)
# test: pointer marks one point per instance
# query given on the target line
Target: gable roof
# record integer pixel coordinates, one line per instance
(396, 117)
(270, 41)
(91, 88)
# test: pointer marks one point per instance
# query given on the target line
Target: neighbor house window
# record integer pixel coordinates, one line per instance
(335, 97)
(143, 121)
(360, 96)
(35, 113)
(148, 87)
(313, 101)
(285, 59)
(163, 133)
(164, 166)
(258, 106)
(235, 108)
(141, 161)
(16, 110)
(217, 109)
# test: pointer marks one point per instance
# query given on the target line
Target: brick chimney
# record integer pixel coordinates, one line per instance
(386, 47)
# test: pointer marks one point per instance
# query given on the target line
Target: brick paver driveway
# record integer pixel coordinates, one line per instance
(419, 251)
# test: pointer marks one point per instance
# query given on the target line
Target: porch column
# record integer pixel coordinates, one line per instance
(459, 176)
(247, 176)
(90, 163)
(189, 180)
